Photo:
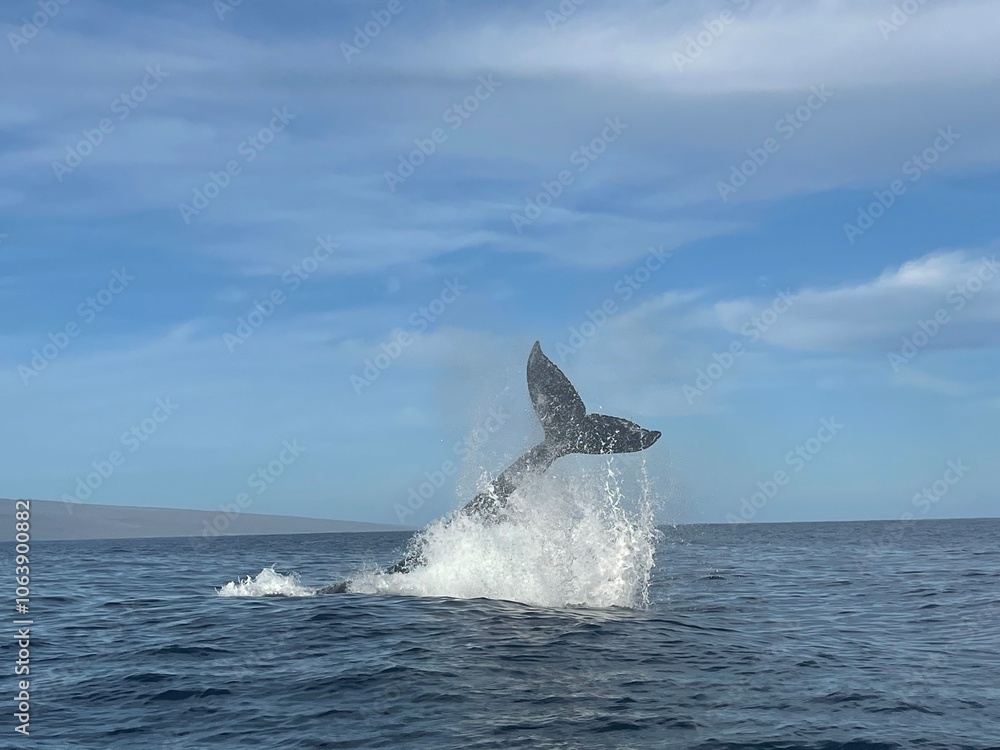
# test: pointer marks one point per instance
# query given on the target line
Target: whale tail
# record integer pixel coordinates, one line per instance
(568, 428)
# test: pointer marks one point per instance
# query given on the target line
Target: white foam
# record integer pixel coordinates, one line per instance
(268, 582)
(568, 542)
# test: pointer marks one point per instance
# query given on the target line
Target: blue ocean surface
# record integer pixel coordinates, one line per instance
(831, 635)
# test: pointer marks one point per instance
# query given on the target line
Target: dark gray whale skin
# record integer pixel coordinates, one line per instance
(568, 429)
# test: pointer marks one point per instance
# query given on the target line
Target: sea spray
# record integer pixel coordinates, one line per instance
(268, 582)
(566, 541)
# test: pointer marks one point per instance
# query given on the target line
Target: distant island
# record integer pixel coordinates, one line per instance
(55, 519)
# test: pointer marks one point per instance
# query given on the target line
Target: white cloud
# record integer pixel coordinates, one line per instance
(646, 354)
(871, 315)
(634, 44)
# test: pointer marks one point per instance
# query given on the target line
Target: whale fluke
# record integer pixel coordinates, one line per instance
(568, 427)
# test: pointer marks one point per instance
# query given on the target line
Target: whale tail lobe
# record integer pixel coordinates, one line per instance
(568, 428)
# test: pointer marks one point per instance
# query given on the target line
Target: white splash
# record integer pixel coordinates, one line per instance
(567, 542)
(268, 582)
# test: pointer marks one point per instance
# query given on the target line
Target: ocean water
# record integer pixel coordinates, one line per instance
(552, 631)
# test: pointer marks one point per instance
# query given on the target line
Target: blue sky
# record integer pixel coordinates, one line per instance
(735, 138)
